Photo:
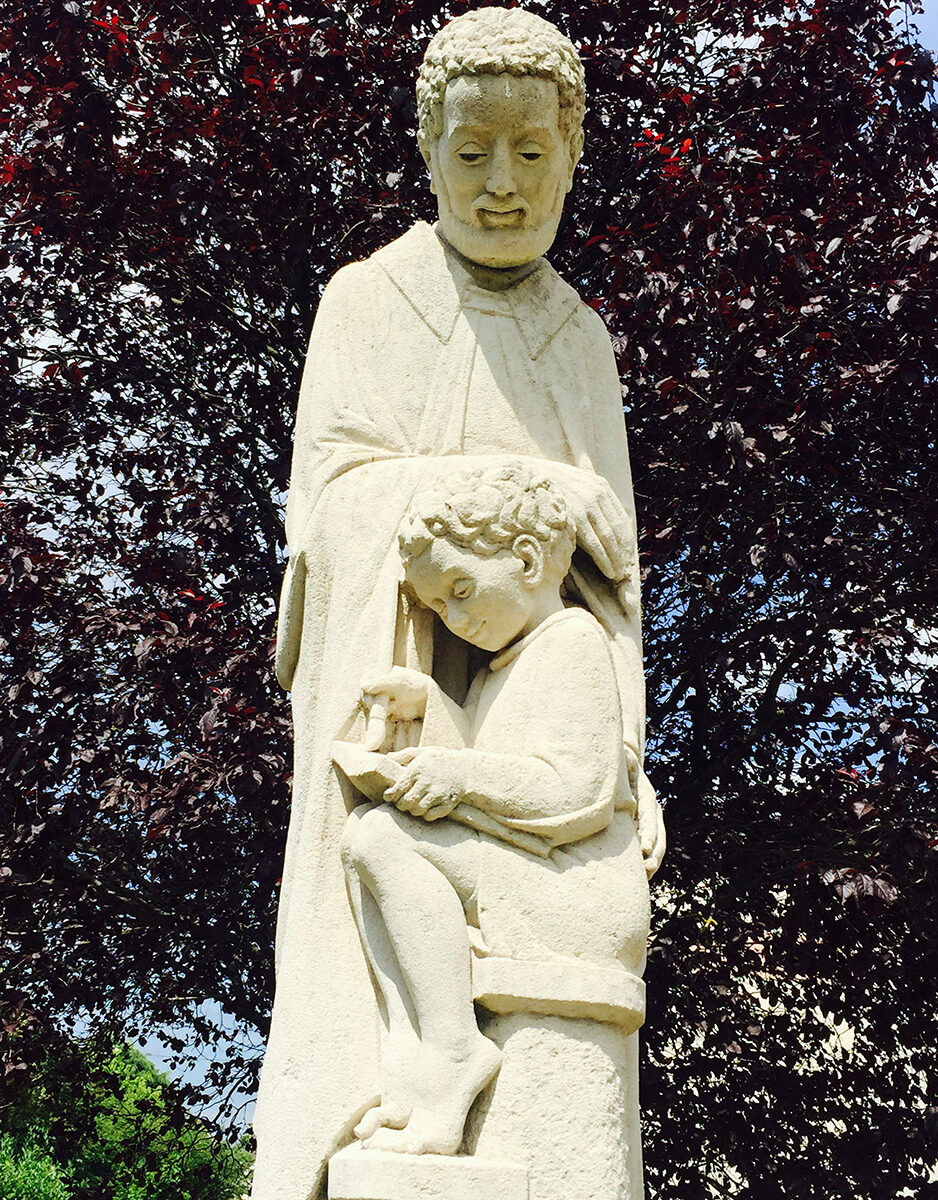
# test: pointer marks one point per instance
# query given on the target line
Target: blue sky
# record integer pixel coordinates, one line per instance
(928, 25)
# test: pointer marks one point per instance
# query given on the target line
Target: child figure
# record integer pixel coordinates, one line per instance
(534, 757)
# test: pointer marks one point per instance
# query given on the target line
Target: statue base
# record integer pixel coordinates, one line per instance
(358, 1174)
(564, 1105)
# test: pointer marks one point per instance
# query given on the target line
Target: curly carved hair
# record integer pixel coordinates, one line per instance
(496, 41)
(485, 510)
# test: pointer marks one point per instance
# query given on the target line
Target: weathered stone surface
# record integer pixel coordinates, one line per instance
(566, 988)
(357, 1174)
(564, 1105)
(471, 820)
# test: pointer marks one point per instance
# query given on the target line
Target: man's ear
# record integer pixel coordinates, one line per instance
(575, 148)
(531, 553)
(428, 153)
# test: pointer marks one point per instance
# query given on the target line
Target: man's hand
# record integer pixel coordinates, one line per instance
(651, 830)
(433, 782)
(603, 528)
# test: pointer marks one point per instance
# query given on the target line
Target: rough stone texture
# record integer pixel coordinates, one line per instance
(567, 988)
(564, 1104)
(501, 817)
(356, 1174)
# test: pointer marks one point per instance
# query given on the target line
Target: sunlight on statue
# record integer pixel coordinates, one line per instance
(489, 554)
(462, 927)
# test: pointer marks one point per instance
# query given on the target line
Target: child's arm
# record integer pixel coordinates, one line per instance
(545, 756)
(523, 793)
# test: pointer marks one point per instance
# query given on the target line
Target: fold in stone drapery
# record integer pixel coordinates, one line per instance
(409, 365)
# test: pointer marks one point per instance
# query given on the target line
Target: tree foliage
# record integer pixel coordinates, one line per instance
(108, 1126)
(756, 221)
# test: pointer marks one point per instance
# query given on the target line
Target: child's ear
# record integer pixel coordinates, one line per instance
(531, 553)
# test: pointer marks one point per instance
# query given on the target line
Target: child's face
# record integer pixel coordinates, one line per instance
(485, 601)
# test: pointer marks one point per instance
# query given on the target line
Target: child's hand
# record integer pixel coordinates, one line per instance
(400, 694)
(433, 782)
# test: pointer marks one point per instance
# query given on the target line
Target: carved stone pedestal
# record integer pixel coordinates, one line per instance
(563, 1105)
(357, 1174)
(560, 1120)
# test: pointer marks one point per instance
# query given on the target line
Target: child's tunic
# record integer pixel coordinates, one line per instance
(543, 731)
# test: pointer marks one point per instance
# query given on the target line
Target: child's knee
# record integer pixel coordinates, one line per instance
(351, 835)
(366, 835)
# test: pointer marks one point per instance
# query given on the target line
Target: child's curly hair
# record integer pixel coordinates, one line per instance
(486, 509)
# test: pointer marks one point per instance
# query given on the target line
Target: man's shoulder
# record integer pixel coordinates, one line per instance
(561, 305)
(590, 322)
(409, 271)
(409, 247)
(417, 243)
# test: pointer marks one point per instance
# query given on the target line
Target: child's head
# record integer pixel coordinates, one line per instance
(485, 549)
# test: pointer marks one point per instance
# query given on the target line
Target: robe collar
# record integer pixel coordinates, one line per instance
(508, 655)
(435, 284)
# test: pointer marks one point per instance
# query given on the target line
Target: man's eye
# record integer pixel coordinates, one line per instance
(531, 155)
(471, 156)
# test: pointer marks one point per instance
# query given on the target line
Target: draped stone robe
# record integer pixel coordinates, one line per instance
(409, 362)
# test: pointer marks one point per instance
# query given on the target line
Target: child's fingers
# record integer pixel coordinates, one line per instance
(406, 755)
(442, 808)
(398, 791)
(376, 727)
(378, 684)
(412, 790)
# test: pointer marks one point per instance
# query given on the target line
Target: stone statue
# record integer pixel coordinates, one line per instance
(454, 845)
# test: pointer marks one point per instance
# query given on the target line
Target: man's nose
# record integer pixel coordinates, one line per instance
(501, 180)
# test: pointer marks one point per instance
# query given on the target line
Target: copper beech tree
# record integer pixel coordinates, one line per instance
(756, 220)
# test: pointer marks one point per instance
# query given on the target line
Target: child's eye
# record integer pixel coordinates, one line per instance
(463, 589)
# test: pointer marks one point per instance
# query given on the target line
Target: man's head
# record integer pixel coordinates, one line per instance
(488, 551)
(500, 101)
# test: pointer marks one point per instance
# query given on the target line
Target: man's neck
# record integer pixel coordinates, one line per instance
(493, 279)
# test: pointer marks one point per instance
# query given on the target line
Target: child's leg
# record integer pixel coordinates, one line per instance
(420, 874)
(402, 1046)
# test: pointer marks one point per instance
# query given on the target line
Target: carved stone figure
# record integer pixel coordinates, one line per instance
(530, 763)
(459, 347)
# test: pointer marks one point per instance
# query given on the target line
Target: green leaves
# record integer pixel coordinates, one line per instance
(93, 1126)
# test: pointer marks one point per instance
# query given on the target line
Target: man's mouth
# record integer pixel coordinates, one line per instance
(490, 218)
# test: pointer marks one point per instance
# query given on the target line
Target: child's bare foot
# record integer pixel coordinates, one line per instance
(388, 1114)
(399, 1060)
(447, 1090)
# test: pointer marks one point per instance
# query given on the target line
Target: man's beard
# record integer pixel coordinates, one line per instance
(510, 247)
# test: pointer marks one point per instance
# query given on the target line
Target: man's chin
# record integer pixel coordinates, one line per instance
(496, 247)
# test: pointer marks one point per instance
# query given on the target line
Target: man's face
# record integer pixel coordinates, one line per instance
(500, 168)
